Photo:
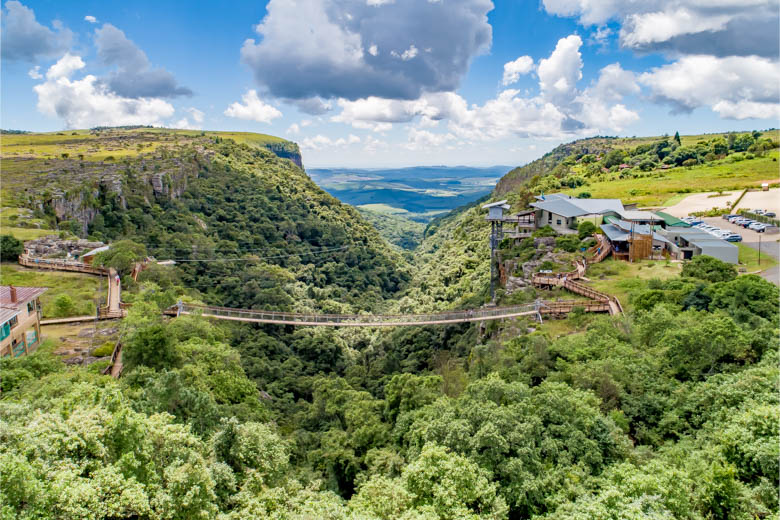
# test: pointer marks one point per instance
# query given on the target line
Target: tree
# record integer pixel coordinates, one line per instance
(152, 347)
(709, 268)
(122, 256)
(614, 158)
(10, 248)
(586, 229)
(677, 138)
(63, 306)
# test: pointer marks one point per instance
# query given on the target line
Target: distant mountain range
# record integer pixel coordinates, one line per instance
(421, 191)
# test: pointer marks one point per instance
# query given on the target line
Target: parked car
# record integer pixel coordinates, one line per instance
(757, 226)
(747, 223)
(726, 217)
(759, 212)
(770, 214)
(734, 237)
(733, 220)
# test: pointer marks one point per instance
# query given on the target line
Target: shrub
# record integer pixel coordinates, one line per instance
(546, 266)
(569, 243)
(586, 229)
(545, 231)
(106, 349)
(63, 306)
(10, 248)
(709, 268)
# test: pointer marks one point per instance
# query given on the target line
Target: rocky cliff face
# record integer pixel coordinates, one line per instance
(290, 151)
(121, 167)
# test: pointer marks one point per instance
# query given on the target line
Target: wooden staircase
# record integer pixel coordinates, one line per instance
(568, 280)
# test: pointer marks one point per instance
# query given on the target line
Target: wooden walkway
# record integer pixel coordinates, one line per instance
(54, 264)
(569, 279)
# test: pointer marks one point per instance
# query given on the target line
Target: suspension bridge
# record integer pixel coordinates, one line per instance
(536, 309)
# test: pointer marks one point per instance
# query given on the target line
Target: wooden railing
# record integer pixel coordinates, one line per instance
(115, 367)
(568, 279)
(60, 265)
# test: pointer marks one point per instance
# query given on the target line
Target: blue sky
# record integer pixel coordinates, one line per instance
(374, 83)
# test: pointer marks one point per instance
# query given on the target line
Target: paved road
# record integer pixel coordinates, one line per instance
(769, 244)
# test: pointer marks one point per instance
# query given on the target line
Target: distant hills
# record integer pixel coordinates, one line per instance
(419, 192)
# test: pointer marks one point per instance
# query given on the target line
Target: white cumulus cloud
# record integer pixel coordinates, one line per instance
(559, 74)
(715, 27)
(514, 69)
(734, 87)
(86, 102)
(322, 142)
(197, 115)
(253, 109)
(91, 19)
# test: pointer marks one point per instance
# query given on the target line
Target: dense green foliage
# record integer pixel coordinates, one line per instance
(396, 229)
(667, 412)
(10, 248)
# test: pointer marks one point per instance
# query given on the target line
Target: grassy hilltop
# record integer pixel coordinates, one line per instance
(651, 170)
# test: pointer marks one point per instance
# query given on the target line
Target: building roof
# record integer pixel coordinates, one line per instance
(703, 240)
(633, 214)
(501, 203)
(567, 206)
(95, 251)
(672, 220)
(614, 233)
(6, 313)
(23, 295)
(620, 231)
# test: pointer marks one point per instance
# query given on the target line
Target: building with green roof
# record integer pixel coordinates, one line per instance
(671, 221)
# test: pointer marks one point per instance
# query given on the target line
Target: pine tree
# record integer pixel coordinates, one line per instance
(677, 138)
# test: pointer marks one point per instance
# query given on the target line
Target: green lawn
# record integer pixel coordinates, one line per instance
(620, 278)
(81, 288)
(10, 218)
(748, 259)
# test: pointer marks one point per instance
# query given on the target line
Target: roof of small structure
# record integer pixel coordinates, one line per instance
(95, 251)
(6, 313)
(23, 294)
(704, 240)
(614, 233)
(634, 214)
(620, 231)
(501, 203)
(672, 220)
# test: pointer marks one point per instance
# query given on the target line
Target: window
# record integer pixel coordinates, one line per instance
(13, 322)
(558, 222)
(30, 307)
(549, 218)
(5, 330)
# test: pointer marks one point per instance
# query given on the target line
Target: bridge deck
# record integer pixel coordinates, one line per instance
(383, 320)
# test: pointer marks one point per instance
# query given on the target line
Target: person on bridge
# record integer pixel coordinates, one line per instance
(117, 280)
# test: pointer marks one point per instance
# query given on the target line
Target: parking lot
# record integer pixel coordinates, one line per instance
(768, 242)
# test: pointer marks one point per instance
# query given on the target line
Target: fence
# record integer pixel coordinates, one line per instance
(60, 265)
